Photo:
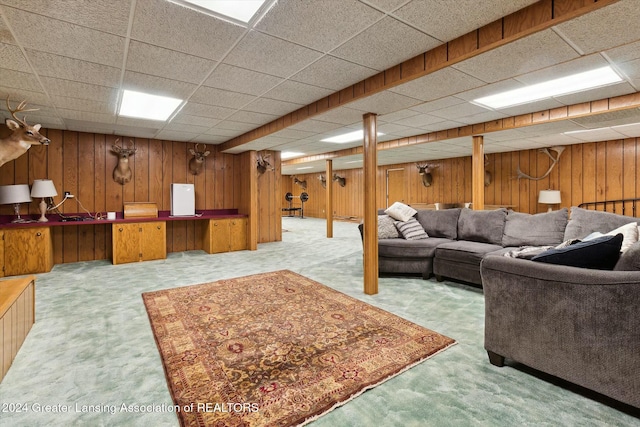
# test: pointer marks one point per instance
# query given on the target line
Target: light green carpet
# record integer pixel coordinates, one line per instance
(92, 345)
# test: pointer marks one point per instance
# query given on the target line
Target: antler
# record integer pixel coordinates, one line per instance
(19, 109)
(554, 160)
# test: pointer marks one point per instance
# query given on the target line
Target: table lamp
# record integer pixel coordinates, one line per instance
(14, 195)
(549, 197)
(43, 188)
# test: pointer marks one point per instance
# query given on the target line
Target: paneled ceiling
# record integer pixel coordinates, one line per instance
(72, 58)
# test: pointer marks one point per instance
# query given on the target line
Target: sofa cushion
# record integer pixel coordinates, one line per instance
(400, 211)
(401, 248)
(601, 253)
(465, 251)
(482, 226)
(441, 223)
(630, 259)
(629, 233)
(584, 222)
(387, 227)
(522, 229)
(411, 229)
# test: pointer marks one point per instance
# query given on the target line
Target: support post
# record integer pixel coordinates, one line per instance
(329, 195)
(477, 173)
(370, 166)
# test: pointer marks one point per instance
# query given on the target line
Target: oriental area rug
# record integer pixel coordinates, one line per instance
(276, 349)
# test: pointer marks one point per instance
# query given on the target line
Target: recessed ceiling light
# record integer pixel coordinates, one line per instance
(347, 137)
(240, 10)
(146, 106)
(563, 86)
(290, 154)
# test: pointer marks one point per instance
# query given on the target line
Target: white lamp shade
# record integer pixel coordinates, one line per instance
(10, 194)
(43, 188)
(551, 197)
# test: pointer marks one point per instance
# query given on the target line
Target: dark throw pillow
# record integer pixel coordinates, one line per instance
(599, 254)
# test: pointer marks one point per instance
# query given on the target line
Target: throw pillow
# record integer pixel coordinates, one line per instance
(630, 260)
(442, 223)
(400, 211)
(482, 226)
(629, 233)
(387, 228)
(601, 253)
(411, 229)
(584, 222)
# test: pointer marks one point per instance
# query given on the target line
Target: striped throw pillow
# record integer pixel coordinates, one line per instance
(411, 229)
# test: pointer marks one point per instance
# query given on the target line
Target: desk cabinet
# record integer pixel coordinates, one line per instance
(139, 241)
(27, 251)
(17, 315)
(225, 235)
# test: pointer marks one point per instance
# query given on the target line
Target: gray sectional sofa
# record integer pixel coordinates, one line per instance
(579, 324)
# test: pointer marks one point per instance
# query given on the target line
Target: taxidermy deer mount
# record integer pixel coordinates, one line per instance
(425, 170)
(302, 184)
(22, 135)
(339, 179)
(196, 162)
(122, 172)
(487, 174)
(323, 180)
(263, 164)
(554, 159)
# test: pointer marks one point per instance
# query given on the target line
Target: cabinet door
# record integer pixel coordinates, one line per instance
(154, 240)
(126, 243)
(238, 234)
(219, 236)
(27, 251)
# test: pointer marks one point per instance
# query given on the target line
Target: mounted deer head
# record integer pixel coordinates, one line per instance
(263, 163)
(196, 162)
(122, 172)
(323, 180)
(339, 179)
(302, 184)
(487, 174)
(22, 135)
(554, 160)
(425, 170)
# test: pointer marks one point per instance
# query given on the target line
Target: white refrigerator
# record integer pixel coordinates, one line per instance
(183, 200)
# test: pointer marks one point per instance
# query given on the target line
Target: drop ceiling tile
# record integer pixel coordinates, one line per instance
(297, 92)
(447, 124)
(293, 133)
(203, 110)
(333, 73)
(125, 132)
(157, 85)
(342, 116)
(545, 104)
(599, 93)
(79, 90)
(594, 32)
(419, 120)
(49, 65)
(241, 80)
(91, 106)
(504, 135)
(13, 59)
(111, 17)
(169, 135)
(487, 116)
(187, 129)
(19, 80)
(490, 89)
(209, 139)
(227, 133)
(235, 126)
(65, 39)
(157, 61)
(631, 69)
(324, 27)
(272, 106)
(251, 117)
(5, 34)
(531, 53)
(86, 116)
(629, 131)
(614, 118)
(442, 83)
(267, 54)
(176, 27)
(188, 119)
(440, 20)
(374, 48)
(18, 95)
(222, 98)
(624, 53)
(398, 115)
(317, 126)
(554, 139)
(458, 111)
(384, 102)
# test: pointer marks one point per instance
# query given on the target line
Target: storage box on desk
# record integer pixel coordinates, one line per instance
(140, 210)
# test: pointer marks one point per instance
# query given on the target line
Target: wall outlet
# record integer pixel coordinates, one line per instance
(68, 195)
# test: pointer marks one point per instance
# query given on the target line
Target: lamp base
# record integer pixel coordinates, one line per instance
(16, 210)
(43, 210)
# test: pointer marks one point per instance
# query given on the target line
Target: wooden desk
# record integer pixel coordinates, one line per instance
(17, 315)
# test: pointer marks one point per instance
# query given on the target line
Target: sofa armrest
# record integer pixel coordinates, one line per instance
(577, 324)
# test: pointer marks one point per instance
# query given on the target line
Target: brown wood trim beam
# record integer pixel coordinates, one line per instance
(593, 108)
(329, 195)
(477, 173)
(370, 235)
(537, 17)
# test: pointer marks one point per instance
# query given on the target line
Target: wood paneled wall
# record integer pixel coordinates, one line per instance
(588, 172)
(82, 163)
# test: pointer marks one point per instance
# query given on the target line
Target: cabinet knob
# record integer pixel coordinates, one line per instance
(38, 234)
(159, 227)
(120, 229)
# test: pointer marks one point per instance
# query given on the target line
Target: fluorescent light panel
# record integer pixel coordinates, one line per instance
(347, 137)
(290, 154)
(573, 132)
(146, 106)
(242, 10)
(563, 86)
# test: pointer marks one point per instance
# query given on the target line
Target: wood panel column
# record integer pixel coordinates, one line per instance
(477, 173)
(329, 195)
(370, 168)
